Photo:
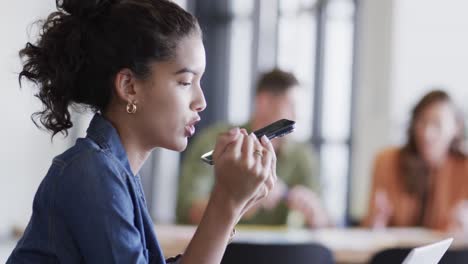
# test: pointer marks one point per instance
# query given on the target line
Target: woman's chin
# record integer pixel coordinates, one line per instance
(178, 145)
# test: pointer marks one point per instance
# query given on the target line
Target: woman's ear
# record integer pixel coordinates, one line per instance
(125, 86)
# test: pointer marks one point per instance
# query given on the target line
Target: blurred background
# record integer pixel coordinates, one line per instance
(362, 65)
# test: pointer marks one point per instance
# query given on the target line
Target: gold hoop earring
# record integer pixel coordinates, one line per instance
(131, 108)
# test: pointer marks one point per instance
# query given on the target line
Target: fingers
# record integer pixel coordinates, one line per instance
(269, 162)
(224, 140)
(263, 160)
(307, 202)
(459, 217)
(244, 131)
(268, 175)
(248, 150)
(382, 210)
(256, 155)
(247, 164)
(266, 164)
(235, 148)
(382, 203)
(302, 199)
(267, 144)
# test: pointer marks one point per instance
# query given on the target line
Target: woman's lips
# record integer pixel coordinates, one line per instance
(190, 127)
(189, 130)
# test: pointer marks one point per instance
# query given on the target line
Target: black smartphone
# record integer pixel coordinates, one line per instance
(277, 129)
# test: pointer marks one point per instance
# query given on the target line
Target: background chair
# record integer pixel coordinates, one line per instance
(397, 255)
(304, 253)
(390, 256)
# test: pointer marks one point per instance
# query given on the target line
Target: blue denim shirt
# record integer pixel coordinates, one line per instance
(90, 208)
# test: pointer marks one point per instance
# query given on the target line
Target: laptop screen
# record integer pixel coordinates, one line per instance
(430, 254)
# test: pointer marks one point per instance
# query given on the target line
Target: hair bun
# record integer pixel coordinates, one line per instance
(82, 8)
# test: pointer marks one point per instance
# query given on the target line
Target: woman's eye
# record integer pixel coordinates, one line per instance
(185, 83)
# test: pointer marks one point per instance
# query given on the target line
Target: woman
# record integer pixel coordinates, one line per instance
(138, 65)
(425, 182)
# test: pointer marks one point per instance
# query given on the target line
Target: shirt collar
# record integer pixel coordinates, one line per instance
(102, 132)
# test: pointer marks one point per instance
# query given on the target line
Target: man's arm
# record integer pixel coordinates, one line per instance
(305, 194)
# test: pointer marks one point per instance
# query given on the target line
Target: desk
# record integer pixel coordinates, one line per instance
(349, 246)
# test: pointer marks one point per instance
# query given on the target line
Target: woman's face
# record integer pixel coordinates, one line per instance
(435, 129)
(171, 98)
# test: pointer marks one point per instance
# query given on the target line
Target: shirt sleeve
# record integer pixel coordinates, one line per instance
(94, 199)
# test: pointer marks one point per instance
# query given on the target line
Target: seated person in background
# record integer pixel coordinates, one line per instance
(298, 179)
(425, 182)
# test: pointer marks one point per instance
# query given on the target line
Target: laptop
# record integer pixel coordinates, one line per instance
(430, 254)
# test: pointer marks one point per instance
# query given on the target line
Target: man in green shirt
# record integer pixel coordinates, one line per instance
(298, 184)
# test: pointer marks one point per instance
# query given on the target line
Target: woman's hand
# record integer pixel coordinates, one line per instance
(245, 169)
(383, 210)
(459, 221)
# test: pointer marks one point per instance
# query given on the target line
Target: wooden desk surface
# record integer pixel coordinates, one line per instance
(353, 245)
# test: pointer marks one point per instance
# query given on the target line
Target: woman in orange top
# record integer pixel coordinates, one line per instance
(425, 182)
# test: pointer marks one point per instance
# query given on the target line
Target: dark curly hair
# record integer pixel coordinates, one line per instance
(85, 43)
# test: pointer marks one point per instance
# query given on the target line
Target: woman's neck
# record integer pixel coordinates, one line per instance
(136, 152)
(136, 156)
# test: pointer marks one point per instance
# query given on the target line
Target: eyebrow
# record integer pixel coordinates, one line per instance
(186, 70)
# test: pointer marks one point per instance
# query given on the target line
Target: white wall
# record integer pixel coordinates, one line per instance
(406, 48)
(430, 50)
(374, 60)
(25, 152)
